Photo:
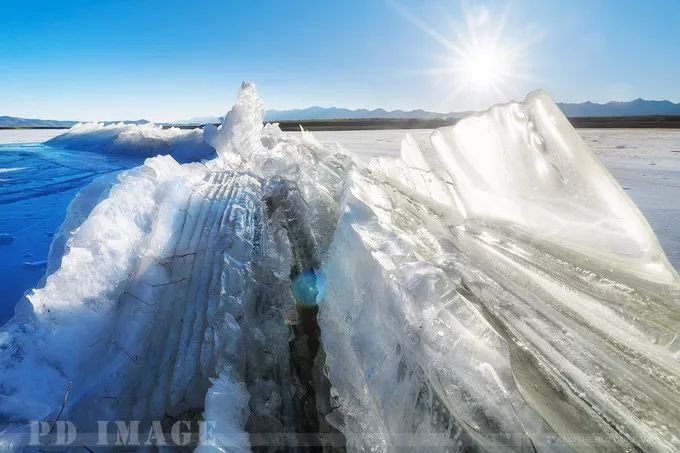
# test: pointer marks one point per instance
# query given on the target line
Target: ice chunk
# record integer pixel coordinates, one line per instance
(550, 310)
(413, 175)
(158, 283)
(137, 140)
(522, 166)
(240, 132)
(71, 308)
(226, 406)
(412, 360)
(142, 280)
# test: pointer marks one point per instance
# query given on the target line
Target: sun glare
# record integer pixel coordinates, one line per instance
(482, 67)
(482, 64)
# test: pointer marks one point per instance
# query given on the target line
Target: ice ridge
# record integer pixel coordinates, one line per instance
(496, 291)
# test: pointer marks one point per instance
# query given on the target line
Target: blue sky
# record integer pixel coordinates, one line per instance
(94, 60)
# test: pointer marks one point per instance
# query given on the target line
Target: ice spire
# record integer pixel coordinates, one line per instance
(240, 132)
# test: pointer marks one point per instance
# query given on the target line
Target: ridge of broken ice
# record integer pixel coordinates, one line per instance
(497, 291)
(582, 309)
(138, 140)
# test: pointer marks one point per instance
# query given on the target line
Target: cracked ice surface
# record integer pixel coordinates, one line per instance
(498, 290)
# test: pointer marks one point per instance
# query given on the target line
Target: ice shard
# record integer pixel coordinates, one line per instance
(547, 318)
(495, 290)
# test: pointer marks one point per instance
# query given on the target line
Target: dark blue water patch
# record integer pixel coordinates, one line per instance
(37, 182)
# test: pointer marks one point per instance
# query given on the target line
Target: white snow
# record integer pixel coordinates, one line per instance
(8, 136)
(491, 286)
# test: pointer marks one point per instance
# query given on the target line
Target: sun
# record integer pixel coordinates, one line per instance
(481, 63)
(484, 64)
(482, 67)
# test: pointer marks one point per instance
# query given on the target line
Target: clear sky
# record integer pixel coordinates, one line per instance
(169, 60)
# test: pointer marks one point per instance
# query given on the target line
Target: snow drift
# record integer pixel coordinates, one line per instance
(498, 290)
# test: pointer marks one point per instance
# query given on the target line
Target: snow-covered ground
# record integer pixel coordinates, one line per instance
(8, 136)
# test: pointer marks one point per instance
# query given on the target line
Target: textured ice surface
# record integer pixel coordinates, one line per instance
(645, 162)
(524, 168)
(549, 307)
(495, 290)
(144, 140)
(166, 288)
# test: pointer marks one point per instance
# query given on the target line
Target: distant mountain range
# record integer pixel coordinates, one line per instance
(637, 107)
(323, 113)
(328, 113)
(13, 121)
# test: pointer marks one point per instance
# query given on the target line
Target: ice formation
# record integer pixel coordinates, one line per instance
(549, 312)
(137, 140)
(495, 291)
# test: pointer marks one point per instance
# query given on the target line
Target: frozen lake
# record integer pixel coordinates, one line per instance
(37, 182)
(28, 135)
